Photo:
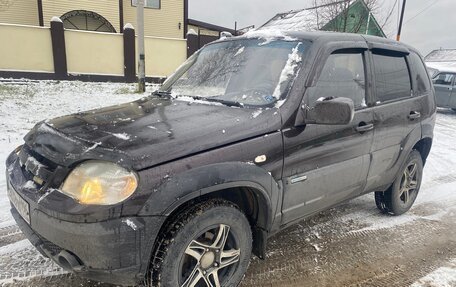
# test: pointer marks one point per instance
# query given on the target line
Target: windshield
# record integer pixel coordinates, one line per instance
(248, 72)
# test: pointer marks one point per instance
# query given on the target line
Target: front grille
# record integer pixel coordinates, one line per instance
(35, 167)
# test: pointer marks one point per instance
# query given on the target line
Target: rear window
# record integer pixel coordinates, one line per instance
(392, 79)
(422, 84)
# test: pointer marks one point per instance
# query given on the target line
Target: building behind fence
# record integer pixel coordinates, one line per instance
(56, 53)
(88, 40)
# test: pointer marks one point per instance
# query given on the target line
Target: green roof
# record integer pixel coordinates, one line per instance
(357, 18)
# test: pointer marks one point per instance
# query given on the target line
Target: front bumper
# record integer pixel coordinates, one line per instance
(116, 251)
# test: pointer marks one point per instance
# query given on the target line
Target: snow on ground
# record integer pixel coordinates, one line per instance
(442, 277)
(24, 103)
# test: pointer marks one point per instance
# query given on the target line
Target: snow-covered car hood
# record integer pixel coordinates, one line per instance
(147, 132)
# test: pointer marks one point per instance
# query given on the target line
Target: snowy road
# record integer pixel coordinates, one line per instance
(350, 245)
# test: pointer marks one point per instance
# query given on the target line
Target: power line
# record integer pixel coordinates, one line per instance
(422, 11)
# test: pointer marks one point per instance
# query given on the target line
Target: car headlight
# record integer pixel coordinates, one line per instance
(100, 183)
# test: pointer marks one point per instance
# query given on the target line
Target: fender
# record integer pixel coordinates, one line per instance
(178, 189)
(404, 150)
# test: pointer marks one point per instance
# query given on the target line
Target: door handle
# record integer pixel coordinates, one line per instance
(414, 115)
(363, 127)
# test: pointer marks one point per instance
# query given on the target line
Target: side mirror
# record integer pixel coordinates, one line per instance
(331, 111)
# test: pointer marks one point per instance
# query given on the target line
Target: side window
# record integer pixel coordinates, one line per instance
(392, 78)
(444, 79)
(342, 76)
(421, 78)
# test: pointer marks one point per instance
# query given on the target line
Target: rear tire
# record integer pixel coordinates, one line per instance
(209, 244)
(400, 197)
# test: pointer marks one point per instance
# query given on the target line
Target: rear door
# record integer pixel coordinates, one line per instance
(397, 113)
(326, 164)
(443, 84)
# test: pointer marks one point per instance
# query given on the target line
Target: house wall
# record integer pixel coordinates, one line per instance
(168, 21)
(23, 12)
(163, 22)
(25, 48)
(109, 9)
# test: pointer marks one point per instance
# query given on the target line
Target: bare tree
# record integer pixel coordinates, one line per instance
(335, 15)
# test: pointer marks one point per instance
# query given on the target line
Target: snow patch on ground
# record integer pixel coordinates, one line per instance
(7, 223)
(15, 247)
(442, 277)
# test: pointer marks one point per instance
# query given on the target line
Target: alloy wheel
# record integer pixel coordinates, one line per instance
(210, 259)
(409, 184)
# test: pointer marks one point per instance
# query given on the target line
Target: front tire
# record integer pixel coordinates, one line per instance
(400, 197)
(209, 244)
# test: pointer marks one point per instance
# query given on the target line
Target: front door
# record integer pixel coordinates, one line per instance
(325, 164)
(443, 84)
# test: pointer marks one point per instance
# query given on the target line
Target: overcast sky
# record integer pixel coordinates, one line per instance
(429, 24)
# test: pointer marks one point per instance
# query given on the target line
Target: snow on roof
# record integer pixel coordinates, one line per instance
(268, 35)
(442, 66)
(306, 19)
(443, 55)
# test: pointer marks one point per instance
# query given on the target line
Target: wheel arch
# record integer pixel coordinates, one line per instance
(248, 186)
(423, 146)
(248, 197)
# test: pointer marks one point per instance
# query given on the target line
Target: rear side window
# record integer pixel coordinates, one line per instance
(342, 76)
(392, 79)
(421, 78)
(444, 79)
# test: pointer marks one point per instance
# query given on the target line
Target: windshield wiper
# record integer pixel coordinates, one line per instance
(225, 102)
(212, 99)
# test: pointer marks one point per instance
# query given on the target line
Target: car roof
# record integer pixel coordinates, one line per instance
(327, 36)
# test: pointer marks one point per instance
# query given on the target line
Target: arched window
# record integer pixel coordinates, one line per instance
(86, 20)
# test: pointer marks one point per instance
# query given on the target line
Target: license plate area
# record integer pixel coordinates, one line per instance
(22, 206)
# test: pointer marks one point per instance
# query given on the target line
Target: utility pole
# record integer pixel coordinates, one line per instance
(398, 38)
(142, 58)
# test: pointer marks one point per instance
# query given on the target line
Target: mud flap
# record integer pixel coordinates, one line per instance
(260, 238)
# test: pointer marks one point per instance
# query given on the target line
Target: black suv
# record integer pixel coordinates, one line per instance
(250, 135)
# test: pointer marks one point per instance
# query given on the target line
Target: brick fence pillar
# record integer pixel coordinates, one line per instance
(129, 42)
(59, 49)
